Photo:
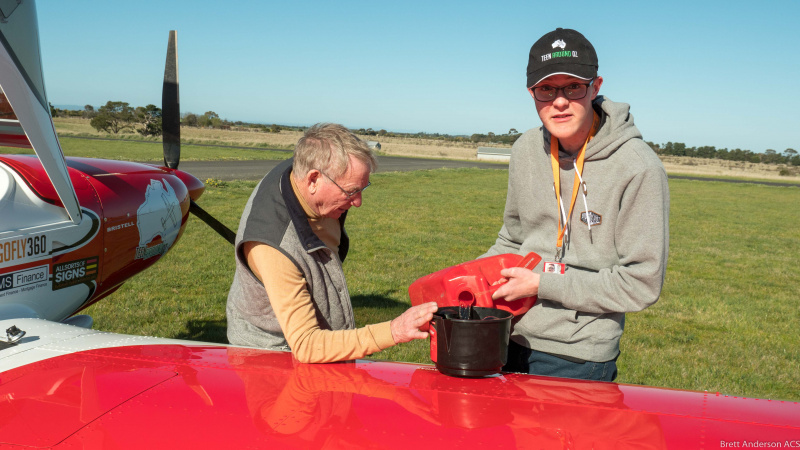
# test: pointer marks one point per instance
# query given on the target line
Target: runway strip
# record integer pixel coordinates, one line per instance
(255, 170)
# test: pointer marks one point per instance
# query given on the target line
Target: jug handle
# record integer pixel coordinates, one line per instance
(432, 335)
(529, 261)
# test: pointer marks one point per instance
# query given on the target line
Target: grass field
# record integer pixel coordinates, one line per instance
(727, 320)
(144, 151)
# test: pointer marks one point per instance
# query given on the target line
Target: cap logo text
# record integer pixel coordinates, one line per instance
(561, 54)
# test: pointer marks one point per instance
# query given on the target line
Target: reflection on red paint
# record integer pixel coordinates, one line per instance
(174, 396)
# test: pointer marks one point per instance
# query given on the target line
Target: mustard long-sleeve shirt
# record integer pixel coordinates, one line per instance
(291, 301)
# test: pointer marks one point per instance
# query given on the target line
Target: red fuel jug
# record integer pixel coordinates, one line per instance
(472, 283)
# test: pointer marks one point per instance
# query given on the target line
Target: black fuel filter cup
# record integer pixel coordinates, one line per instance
(475, 347)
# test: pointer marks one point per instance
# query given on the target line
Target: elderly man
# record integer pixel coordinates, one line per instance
(605, 252)
(289, 291)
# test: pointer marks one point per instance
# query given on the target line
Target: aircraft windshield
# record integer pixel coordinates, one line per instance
(19, 34)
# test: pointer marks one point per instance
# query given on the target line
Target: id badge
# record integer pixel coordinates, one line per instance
(554, 267)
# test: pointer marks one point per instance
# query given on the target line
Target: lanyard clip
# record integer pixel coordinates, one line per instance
(558, 254)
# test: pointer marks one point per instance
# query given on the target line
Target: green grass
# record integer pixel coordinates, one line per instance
(786, 180)
(145, 151)
(729, 317)
(727, 320)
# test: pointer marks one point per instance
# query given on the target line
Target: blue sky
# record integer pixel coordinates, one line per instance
(702, 73)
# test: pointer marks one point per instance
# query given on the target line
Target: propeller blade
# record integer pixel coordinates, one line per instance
(170, 106)
(215, 224)
(171, 131)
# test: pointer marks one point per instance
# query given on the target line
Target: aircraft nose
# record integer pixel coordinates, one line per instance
(193, 185)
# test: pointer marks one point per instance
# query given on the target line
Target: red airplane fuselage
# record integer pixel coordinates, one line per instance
(136, 212)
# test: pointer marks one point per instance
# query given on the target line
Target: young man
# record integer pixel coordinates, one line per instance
(587, 194)
(289, 291)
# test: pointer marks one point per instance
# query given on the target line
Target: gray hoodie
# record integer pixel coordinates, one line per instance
(581, 314)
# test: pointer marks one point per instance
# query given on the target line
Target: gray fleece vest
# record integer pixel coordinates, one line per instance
(273, 216)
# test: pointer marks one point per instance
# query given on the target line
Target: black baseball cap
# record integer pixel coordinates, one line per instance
(562, 51)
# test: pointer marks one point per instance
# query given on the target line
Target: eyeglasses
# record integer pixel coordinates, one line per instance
(574, 91)
(350, 194)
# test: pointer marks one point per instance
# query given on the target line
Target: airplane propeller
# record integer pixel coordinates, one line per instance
(171, 131)
(170, 106)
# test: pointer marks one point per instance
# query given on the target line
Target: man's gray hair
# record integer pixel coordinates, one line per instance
(327, 147)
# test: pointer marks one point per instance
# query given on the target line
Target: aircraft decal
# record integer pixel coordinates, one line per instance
(24, 280)
(119, 227)
(74, 272)
(23, 249)
(158, 217)
(94, 227)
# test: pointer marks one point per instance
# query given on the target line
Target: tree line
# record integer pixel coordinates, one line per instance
(789, 156)
(489, 137)
(116, 117)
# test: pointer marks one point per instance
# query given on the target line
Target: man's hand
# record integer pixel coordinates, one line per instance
(405, 327)
(521, 283)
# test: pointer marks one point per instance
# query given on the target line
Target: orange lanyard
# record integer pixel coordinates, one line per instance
(562, 227)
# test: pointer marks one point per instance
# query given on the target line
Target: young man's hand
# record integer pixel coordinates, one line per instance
(521, 283)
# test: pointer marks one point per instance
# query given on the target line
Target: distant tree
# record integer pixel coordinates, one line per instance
(708, 151)
(113, 117)
(513, 131)
(792, 157)
(53, 110)
(88, 112)
(190, 119)
(770, 156)
(209, 119)
(149, 118)
(738, 154)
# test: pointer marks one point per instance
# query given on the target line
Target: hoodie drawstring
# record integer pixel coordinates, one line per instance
(585, 204)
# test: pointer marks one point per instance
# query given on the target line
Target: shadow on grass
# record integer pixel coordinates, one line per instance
(206, 331)
(377, 301)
